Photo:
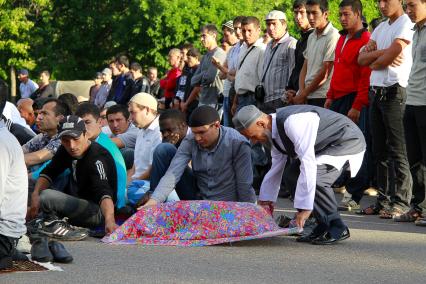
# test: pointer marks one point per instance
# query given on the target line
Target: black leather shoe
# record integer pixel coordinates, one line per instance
(19, 256)
(40, 250)
(60, 254)
(6, 262)
(327, 239)
(307, 238)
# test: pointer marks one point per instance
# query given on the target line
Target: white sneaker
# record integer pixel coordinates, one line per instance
(24, 245)
(346, 197)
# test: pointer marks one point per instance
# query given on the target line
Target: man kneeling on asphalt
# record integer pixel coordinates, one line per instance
(221, 163)
(90, 199)
(321, 142)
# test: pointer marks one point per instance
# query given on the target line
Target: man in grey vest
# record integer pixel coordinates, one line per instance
(321, 143)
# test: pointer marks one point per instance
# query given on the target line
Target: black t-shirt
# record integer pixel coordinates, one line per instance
(302, 43)
(94, 173)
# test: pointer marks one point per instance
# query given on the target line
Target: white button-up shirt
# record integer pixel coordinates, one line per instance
(301, 129)
(146, 142)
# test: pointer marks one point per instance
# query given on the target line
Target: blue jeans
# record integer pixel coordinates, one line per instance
(227, 119)
(246, 100)
(186, 186)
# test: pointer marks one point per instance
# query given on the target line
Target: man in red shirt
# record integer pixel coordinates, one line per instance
(348, 93)
(168, 84)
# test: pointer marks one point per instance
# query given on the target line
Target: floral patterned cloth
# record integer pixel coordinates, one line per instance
(197, 223)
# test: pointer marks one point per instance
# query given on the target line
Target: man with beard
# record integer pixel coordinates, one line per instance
(320, 142)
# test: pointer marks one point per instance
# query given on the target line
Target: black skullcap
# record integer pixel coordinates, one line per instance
(203, 115)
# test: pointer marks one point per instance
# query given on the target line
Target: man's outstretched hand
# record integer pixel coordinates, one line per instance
(301, 217)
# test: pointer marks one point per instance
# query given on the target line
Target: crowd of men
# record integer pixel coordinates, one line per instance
(333, 108)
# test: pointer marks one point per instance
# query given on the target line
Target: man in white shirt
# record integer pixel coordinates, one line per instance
(13, 189)
(143, 109)
(250, 64)
(27, 86)
(388, 54)
(320, 142)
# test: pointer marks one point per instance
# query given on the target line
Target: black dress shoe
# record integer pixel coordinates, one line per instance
(19, 256)
(60, 254)
(327, 239)
(6, 262)
(40, 250)
(307, 238)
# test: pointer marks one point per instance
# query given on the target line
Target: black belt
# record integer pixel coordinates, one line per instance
(384, 93)
(246, 94)
(389, 89)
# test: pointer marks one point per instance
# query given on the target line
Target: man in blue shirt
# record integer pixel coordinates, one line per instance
(220, 159)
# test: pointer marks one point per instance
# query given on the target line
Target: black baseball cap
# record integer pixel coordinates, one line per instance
(72, 126)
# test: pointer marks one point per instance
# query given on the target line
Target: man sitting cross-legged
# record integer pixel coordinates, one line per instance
(221, 163)
(90, 114)
(90, 200)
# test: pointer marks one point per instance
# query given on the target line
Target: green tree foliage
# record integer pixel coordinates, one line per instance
(75, 38)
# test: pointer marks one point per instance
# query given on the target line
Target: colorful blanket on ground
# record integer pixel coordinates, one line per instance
(197, 223)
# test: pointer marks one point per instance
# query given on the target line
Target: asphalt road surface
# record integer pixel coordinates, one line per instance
(379, 251)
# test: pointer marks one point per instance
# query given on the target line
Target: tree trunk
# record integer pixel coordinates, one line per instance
(12, 84)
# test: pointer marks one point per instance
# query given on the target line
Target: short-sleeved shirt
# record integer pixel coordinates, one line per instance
(232, 62)
(26, 89)
(278, 71)
(207, 76)
(13, 185)
(120, 167)
(250, 67)
(42, 141)
(417, 80)
(94, 173)
(320, 49)
(129, 137)
(146, 142)
(384, 35)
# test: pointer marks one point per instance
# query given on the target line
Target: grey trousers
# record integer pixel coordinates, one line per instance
(80, 212)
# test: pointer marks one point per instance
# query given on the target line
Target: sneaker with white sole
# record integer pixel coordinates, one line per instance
(62, 230)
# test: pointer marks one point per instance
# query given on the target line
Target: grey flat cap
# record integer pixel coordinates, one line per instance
(245, 117)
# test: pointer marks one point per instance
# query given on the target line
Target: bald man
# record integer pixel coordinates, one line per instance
(25, 107)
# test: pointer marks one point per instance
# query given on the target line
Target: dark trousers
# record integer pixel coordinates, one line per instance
(325, 206)
(387, 131)
(360, 182)
(415, 136)
(7, 246)
(186, 187)
(246, 100)
(80, 212)
(272, 106)
(128, 156)
(316, 102)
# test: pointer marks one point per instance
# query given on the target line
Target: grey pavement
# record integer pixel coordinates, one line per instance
(379, 251)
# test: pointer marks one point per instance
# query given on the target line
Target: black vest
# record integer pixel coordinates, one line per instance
(337, 135)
